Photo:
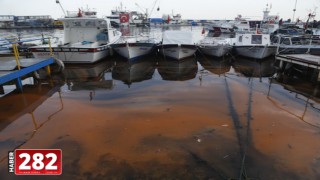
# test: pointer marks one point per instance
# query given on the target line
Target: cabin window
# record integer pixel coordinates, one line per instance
(90, 13)
(256, 39)
(90, 23)
(240, 38)
(67, 25)
(102, 23)
(286, 41)
(296, 40)
(76, 24)
(275, 39)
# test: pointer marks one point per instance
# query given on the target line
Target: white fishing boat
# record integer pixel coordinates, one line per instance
(215, 46)
(257, 46)
(4, 46)
(86, 39)
(134, 47)
(178, 44)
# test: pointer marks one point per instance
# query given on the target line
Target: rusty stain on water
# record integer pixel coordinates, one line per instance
(201, 118)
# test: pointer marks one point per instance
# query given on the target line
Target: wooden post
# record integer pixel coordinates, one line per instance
(1, 89)
(315, 91)
(19, 84)
(111, 51)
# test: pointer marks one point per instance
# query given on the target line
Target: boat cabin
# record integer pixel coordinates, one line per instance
(88, 30)
(252, 39)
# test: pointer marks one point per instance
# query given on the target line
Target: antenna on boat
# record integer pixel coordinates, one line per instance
(294, 10)
(58, 2)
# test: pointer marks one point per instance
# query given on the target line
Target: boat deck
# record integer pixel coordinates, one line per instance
(308, 60)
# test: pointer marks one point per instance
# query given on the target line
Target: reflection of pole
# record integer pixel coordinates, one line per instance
(244, 142)
(275, 103)
(34, 121)
(36, 126)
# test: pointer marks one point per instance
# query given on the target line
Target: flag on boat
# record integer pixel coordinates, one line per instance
(203, 31)
(124, 18)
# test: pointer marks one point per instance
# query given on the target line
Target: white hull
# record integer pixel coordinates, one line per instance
(86, 39)
(134, 51)
(178, 52)
(218, 50)
(255, 52)
(73, 55)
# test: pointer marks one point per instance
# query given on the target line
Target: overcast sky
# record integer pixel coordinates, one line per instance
(189, 9)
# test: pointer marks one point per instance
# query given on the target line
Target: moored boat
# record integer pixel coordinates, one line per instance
(178, 44)
(213, 46)
(86, 39)
(4, 46)
(256, 46)
(134, 47)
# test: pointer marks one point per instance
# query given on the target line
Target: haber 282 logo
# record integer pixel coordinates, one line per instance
(35, 162)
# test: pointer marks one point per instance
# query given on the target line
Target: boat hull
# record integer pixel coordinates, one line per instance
(132, 51)
(217, 51)
(73, 54)
(178, 52)
(255, 52)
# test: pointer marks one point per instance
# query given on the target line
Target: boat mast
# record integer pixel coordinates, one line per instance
(58, 2)
(294, 10)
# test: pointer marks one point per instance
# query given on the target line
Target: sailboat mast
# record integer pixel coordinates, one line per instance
(294, 10)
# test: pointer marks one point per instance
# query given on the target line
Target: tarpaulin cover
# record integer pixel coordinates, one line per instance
(178, 37)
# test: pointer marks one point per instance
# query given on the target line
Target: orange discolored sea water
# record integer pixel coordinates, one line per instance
(156, 118)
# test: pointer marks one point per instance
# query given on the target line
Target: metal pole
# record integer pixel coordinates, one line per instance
(294, 10)
(58, 2)
(16, 55)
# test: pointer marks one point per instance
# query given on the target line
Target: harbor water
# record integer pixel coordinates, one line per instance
(157, 118)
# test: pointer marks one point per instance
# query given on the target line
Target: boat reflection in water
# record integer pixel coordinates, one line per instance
(302, 92)
(134, 71)
(88, 77)
(218, 66)
(178, 70)
(252, 68)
